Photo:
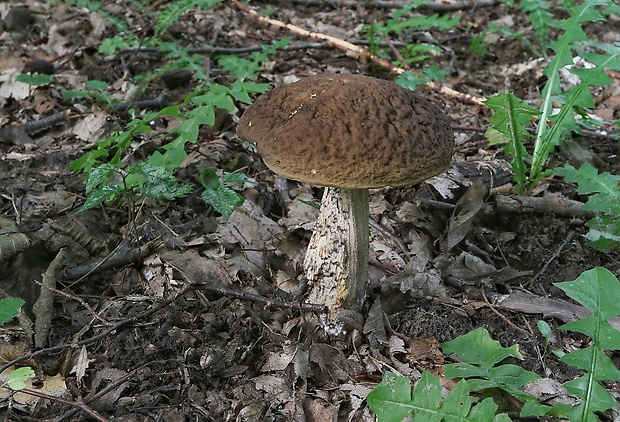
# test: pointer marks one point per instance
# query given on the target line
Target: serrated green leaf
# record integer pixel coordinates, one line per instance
(390, 399)
(218, 96)
(160, 182)
(596, 398)
(477, 347)
(595, 289)
(99, 176)
(426, 395)
(604, 369)
(238, 67)
(608, 337)
(241, 90)
(510, 118)
(457, 403)
(224, 200)
(188, 129)
(101, 194)
(9, 309)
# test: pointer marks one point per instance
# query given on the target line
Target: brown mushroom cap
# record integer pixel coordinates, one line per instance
(349, 131)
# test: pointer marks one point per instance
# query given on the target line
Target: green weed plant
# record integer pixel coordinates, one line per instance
(403, 22)
(563, 111)
(480, 368)
(17, 379)
(511, 116)
(108, 178)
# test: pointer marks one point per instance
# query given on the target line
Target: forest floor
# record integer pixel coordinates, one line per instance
(139, 343)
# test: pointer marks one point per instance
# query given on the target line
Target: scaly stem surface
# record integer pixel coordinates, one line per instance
(336, 262)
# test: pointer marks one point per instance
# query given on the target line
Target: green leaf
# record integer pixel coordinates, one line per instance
(209, 179)
(101, 194)
(218, 96)
(478, 348)
(97, 85)
(18, 379)
(392, 400)
(34, 79)
(510, 118)
(223, 199)
(235, 178)
(545, 330)
(480, 353)
(160, 182)
(596, 289)
(188, 129)
(9, 309)
(99, 176)
(389, 400)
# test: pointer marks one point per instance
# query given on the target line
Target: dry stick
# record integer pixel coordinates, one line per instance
(99, 336)
(584, 132)
(499, 314)
(77, 405)
(92, 399)
(78, 299)
(122, 256)
(42, 308)
(269, 303)
(435, 6)
(562, 207)
(553, 257)
(356, 52)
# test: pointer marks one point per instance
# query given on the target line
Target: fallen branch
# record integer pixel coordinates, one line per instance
(355, 52)
(269, 303)
(379, 4)
(111, 329)
(562, 207)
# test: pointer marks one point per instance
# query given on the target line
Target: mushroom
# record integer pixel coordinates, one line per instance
(350, 133)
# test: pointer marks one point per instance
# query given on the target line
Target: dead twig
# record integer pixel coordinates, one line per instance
(355, 52)
(379, 4)
(269, 303)
(558, 205)
(77, 405)
(42, 308)
(499, 314)
(552, 258)
(121, 257)
(584, 132)
(111, 329)
(78, 299)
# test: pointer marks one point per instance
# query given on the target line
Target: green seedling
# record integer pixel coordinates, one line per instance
(141, 179)
(481, 369)
(222, 198)
(95, 89)
(402, 22)
(18, 379)
(603, 190)
(9, 309)
(511, 114)
(392, 401)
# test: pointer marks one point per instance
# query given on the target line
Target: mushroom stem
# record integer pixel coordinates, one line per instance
(336, 262)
